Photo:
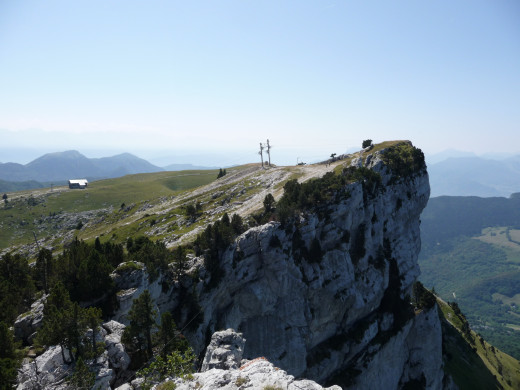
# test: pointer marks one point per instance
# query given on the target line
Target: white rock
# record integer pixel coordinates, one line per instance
(224, 351)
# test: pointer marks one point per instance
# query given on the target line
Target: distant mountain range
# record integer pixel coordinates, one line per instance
(61, 166)
(452, 172)
(475, 176)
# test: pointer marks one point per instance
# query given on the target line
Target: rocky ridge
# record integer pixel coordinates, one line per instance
(341, 318)
(345, 313)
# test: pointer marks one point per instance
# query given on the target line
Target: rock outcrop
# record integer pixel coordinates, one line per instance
(225, 351)
(49, 371)
(223, 367)
(27, 324)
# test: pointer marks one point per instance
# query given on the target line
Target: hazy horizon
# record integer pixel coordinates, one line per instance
(207, 158)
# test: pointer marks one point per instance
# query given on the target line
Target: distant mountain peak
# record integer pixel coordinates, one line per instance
(62, 166)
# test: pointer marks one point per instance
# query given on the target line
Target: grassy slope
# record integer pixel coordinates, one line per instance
(18, 220)
(145, 197)
(475, 364)
(154, 205)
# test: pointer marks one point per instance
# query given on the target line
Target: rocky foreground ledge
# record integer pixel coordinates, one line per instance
(224, 368)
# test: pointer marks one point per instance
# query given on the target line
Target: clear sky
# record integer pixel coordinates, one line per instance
(205, 82)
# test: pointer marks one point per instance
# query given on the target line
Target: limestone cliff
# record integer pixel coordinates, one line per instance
(325, 294)
(344, 317)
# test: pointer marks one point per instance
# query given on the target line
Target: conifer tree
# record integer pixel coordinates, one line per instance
(44, 270)
(16, 286)
(269, 203)
(8, 360)
(138, 335)
(56, 319)
(237, 224)
(92, 317)
(82, 378)
(179, 261)
(166, 334)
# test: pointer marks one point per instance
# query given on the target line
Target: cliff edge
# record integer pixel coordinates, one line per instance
(339, 314)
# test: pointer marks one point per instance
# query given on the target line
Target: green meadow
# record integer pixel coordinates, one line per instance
(26, 210)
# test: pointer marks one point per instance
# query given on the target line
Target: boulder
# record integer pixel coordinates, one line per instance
(223, 368)
(224, 351)
(117, 356)
(27, 324)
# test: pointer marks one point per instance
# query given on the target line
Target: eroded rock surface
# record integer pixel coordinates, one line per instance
(341, 312)
(225, 351)
(223, 368)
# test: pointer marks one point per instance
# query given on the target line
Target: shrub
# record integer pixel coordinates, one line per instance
(423, 299)
(404, 160)
(176, 364)
(221, 172)
(169, 385)
(269, 203)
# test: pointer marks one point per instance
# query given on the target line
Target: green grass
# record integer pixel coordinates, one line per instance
(20, 219)
(142, 204)
(386, 144)
(475, 364)
(514, 300)
(498, 236)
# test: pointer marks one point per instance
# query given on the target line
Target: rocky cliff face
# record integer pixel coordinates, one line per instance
(324, 296)
(345, 316)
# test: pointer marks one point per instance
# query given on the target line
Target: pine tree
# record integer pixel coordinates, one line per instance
(166, 334)
(63, 323)
(92, 317)
(82, 378)
(138, 335)
(44, 270)
(269, 203)
(6, 342)
(8, 360)
(16, 286)
(237, 224)
(366, 143)
(179, 261)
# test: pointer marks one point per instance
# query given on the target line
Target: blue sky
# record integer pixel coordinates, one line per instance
(206, 81)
